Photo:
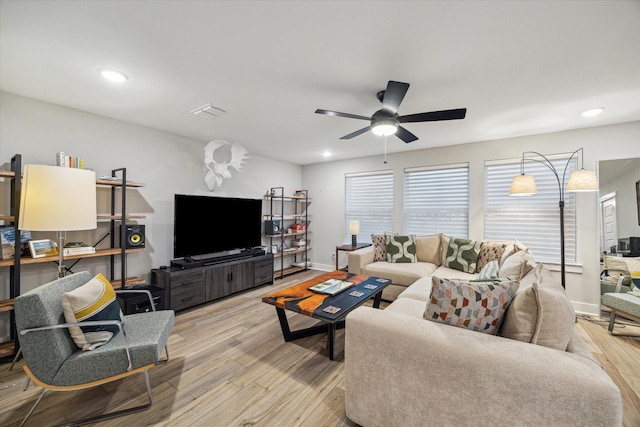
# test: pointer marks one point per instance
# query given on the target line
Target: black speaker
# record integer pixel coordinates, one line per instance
(272, 227)
(131, 303)
(134, 236)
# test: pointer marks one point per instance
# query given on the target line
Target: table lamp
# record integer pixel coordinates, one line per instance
(354, 229)
(58, 199)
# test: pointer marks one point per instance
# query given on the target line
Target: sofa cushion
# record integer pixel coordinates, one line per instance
(489, 271)
(379, 247)
(450, 273)
(405, 276)
(479, 306)
(489, 251)
(418, 290)
(401, 249)
(93, 301)
(428, 249)
(407, 307)
(541, 313)
(517, 265)
(462, 254)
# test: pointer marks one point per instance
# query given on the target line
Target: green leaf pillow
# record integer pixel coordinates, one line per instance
(462, 254)
(401, 249)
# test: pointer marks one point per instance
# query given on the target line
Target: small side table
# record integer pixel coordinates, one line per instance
(348, 248)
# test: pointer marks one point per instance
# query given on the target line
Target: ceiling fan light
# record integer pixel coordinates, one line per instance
(384, 128)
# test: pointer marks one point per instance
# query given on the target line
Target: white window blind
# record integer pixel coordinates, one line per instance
(533, 220)
(436, 200)
(369, 200)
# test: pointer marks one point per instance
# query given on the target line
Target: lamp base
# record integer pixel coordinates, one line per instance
(354, 241)
(61, 268)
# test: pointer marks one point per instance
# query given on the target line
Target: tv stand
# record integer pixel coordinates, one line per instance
(187, 284)
(189, 263)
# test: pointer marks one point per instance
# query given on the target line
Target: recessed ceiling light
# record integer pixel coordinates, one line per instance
(592, 112)
(113, 75)
(326, 154)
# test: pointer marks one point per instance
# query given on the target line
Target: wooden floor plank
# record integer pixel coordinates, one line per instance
(231, 367)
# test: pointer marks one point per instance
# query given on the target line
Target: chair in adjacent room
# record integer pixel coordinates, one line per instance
(625, 304)
(54, 361)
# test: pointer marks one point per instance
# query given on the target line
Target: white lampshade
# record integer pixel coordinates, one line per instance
(55, 198)
(354, 227)
(582, 180)
(523, 185)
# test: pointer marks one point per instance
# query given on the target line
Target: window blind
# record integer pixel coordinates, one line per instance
(369, 200)
(436, 200)
(533, 220)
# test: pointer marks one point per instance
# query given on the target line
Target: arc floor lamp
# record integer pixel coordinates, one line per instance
(579, 180)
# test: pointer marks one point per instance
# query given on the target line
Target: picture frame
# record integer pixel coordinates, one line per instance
(42, 248)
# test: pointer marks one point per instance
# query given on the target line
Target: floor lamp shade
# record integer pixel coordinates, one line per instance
(55, 198)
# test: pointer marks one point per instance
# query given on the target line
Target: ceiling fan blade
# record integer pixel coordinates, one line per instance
(393, 95)
(338, 114)
(356, 133)
(405, 135)
(434, 116)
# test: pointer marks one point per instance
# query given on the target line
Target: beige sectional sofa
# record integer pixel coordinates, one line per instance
(403, 370)
(430, 251)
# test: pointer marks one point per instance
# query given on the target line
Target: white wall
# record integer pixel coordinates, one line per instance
(325, 182)
(166, 163)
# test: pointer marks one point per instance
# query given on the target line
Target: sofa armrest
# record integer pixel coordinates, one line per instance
(402, 370)
(359, 258)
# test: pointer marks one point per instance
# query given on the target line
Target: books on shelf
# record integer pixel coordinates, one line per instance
(78, 248)
(331, 286)
(69, 161)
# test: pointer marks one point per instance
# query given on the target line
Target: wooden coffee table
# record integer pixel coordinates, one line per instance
(300, 299)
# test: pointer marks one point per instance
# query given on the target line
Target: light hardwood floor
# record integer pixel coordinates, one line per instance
(230, 366)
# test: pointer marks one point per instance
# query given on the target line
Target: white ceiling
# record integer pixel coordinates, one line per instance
(519, 67)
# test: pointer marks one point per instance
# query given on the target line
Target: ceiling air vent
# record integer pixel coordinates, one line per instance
(208, 110)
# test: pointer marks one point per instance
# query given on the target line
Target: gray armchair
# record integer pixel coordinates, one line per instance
(54, 362)
(622, 303)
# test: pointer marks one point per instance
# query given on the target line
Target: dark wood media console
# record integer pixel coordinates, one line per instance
(186, 288)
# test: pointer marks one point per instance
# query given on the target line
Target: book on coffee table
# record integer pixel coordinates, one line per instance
(331, 286)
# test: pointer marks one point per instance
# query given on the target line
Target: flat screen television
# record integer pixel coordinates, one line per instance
(206, 225)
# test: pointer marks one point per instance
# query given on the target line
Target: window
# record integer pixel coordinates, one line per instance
(436, 200)
(533, 220)
(369, 199)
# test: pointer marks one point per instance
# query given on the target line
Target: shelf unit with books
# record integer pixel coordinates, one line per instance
(292, 239)
(117, 184)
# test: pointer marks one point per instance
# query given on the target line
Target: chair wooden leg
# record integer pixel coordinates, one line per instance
(612, 320)
(33, 407)
(166, 359)
(103, 416)
(617, 334)
(15, 359)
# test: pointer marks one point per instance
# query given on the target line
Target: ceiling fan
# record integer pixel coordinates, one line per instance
(386, 121)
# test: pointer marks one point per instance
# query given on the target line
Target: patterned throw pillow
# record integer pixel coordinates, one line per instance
(462, 254)
(489, 271)
(401, 249)
(95, 300)
(379, 247)
(479, 306)
(488, 252)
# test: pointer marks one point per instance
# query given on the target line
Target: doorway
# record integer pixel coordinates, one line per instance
(609, 224)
